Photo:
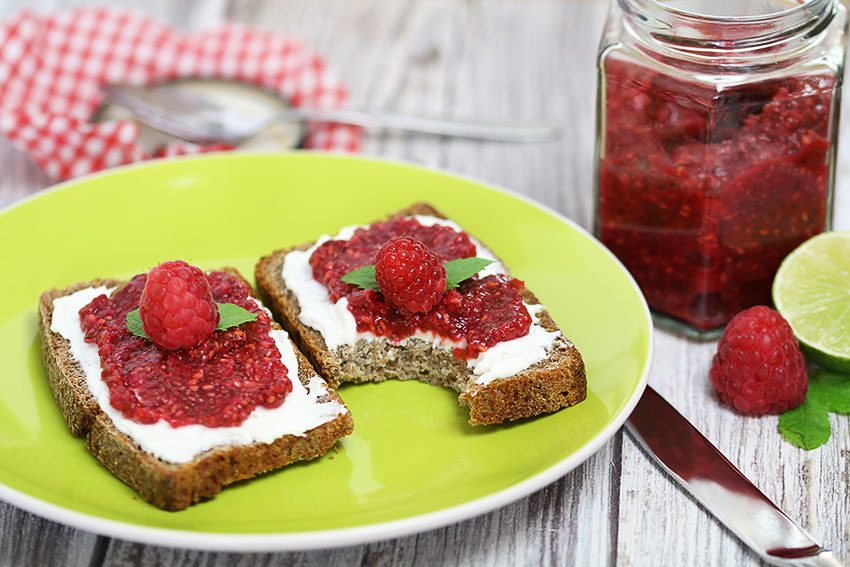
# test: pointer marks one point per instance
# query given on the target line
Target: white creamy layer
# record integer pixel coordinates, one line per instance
(338, 327)
(299, 412)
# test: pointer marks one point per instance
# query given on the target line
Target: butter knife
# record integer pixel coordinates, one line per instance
(711, 479)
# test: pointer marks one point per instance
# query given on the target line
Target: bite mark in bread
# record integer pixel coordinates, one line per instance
(555, 382)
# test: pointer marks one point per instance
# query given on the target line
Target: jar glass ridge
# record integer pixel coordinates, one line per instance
(710, 38)
(716, 145)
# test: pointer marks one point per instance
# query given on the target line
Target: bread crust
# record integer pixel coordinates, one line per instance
(169, 486)
(555, 382)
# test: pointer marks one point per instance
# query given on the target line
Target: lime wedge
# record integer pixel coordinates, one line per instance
(812, 291)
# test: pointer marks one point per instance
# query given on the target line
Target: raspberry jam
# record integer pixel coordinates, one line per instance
(481, 311)
(717, 124)
(217, 383)
(702, 194)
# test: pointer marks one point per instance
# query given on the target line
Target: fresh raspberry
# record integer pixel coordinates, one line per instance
(409, 275)
(759, 367)
(177, 307)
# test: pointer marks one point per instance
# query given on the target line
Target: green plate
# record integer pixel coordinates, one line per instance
(413, 463)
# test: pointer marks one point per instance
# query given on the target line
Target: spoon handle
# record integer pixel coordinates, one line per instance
(477, 130)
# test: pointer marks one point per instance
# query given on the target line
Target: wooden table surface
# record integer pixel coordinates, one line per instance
(507, 60)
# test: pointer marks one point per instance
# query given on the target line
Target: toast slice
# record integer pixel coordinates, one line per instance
(175, 485)
(545, 386)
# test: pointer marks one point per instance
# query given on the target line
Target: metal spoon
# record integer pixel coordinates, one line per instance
(194, 110)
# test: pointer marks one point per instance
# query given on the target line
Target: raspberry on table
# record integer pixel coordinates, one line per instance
(177, 307)
(409, 275)
(759, 367)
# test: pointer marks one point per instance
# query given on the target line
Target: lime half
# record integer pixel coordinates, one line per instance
(812, 291)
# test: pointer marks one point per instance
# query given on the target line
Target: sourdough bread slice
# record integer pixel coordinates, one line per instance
(550, 384)
(168, 485)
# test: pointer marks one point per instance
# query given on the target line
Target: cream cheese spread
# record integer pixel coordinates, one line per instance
(338, 326)
(299, 413)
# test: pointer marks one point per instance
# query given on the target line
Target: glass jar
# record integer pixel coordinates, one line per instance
(717, 124)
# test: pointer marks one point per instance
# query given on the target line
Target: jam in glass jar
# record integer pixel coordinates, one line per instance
(717, 123)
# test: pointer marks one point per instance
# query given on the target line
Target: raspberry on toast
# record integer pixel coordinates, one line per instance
(556, 381)
(173, 485)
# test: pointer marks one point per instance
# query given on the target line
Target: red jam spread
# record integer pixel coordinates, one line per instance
(217, 383)
(703, 192)
(482, 311)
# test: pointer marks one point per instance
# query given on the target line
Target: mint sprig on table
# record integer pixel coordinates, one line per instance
(232, 315)
(807, 426)
(456, 271)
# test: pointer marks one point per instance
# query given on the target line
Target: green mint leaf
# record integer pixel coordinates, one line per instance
(364, 278)
(463, 268)
(233, 315)
(831, 390)
(456, 271)
(806, 426)
(134, 324)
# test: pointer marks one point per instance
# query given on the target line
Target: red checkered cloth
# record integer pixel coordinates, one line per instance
(52, 68)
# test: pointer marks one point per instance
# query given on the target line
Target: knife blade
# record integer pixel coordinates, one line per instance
(702, 470)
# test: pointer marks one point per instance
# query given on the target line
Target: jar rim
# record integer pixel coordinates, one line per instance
(803, 7)
(691, 33)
